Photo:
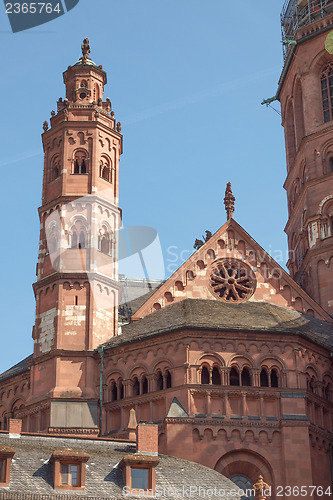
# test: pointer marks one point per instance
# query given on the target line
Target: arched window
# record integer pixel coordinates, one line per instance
(234, 376)
(204, 375)
(290, 134)
(105, 171)
(246, 377)
(144, 385)
(105, 240)
(330, 165)
(82, 240)
(299, 113)
(113, 392)
(55, 169)
(243, 483)
(136, 387)
(327, 92)
(80, 162)
(74, 239)
(309, 382)
(159, 382)
(78, 235)
(274, 378)
(52, 244)
(168, 379)
(216, 376)
(121, 389)
(264, 378)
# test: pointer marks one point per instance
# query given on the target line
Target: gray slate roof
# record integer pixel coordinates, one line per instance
(214, 314)
(20, 367)
(32, 475)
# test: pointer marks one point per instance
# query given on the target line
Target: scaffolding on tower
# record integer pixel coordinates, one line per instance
(299, 13)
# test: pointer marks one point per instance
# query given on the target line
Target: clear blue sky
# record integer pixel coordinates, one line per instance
(186, 79)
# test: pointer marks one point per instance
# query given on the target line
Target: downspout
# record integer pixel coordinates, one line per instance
(101, 353)
(331, 461)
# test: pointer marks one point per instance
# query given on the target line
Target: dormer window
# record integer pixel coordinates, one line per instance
(139, 473)
(6, 455)
(69, 475)
(69, 469)
(140, 479)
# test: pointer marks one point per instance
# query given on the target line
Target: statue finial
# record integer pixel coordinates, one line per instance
(262, 489)
(85, 50)
(229, 202)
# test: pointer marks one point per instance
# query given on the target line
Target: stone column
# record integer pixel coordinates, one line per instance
(208, 404)
(244, 408)
(150, 411)
(127, 388)
(261, 405)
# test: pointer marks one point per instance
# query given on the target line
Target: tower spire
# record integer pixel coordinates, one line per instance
(229, 202)
(85, 50)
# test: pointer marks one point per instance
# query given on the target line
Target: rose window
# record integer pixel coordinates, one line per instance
(232, 280)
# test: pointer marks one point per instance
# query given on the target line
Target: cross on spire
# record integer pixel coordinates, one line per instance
(229, 202)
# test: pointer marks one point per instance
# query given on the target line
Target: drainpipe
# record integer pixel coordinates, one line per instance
(331, 460)
(101, 353)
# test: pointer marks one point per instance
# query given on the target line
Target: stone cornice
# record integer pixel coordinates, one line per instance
(212, 334)
(130, 402)
(89, 277)
(226, 422)
(66, 199)
(60, 353)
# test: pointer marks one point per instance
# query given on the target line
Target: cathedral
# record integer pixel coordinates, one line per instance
(230, 358)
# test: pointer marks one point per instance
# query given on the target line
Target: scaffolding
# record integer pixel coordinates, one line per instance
(298, 13)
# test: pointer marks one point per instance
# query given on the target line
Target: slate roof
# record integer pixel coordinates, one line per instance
(20, 367)
(217, 315)
(32, 475)
(135, 293)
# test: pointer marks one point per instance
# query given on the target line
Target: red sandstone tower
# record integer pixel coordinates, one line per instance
(306, 96)
(77, 288)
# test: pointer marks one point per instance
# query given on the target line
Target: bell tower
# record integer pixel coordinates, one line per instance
(77, 277)
(306, 95)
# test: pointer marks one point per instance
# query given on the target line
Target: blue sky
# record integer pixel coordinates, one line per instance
(186, 79)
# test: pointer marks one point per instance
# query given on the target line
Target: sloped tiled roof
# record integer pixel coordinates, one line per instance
(20, 367)
(214, 314)
(32, 474)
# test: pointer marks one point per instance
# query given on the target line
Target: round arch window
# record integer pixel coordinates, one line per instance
(231, 280)
(245, 484)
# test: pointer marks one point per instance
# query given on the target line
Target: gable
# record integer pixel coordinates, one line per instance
(254, 276)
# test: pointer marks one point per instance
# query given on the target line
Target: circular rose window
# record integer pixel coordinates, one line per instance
(232, 280)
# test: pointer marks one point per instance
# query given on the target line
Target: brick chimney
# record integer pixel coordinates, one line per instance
(147, 439)
(15, 426)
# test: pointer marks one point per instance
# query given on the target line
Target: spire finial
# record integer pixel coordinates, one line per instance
(85, 50)
(229, 202)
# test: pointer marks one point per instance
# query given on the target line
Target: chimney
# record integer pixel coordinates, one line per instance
(15, 427)
(147, 439)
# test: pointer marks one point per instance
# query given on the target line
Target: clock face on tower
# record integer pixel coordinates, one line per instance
(329, 42)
